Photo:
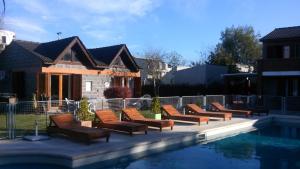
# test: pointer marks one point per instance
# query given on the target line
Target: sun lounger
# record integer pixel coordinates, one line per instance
(169, 112)
(66, 124)
(133, 115)
(193, 109)
(218, 107)
(108, 120)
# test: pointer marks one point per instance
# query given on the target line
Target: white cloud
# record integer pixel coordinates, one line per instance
(26, 29)
(24, 24)
(35, 7)
(101, 19)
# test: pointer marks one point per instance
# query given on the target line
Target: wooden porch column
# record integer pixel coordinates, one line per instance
(60, 89)
(37, 88)
(48, 85)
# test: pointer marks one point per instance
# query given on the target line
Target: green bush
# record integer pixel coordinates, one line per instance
(155, 105)
(83, 111)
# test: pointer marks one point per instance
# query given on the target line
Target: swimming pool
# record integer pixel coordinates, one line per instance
(274, 147)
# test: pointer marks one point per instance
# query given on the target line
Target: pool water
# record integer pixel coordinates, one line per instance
(274, 147)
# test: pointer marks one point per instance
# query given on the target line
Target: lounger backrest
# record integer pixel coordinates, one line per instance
(133, 114)
(106, 116)
(170, 110)
(194, 108)
(63, 120)
(218, 105)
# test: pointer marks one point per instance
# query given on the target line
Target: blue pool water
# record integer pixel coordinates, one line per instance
(274, 147)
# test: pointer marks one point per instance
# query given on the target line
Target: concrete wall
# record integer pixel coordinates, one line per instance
(202, 74)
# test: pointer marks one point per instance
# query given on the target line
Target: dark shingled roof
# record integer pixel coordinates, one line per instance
(283, 33)
(47, 52)
(105, 55)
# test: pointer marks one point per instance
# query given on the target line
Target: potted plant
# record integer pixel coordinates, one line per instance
(155, 108)
(83, 113)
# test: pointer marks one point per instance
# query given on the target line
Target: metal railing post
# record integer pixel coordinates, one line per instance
(283, 105)
(123, 106)
(223, 100)
(11, 120)
(181, 106)
(204, 102)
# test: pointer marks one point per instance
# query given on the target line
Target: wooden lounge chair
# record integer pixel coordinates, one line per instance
(108, 120)
(133, 115)
(169, 112)
(193, 109)
(218, 107)
(66, 124)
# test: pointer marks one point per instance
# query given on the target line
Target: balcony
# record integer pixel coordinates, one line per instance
(292, 64)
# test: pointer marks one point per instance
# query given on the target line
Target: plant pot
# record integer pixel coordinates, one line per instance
(86, 123)
(154, 116)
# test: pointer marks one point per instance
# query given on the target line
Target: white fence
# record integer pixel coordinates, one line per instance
(17, 120)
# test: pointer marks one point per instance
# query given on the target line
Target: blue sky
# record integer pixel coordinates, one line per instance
(185, 26)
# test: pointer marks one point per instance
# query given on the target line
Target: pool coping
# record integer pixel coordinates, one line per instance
(132, 152)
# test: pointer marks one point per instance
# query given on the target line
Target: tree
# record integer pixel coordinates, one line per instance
(203, 56)
(238, 45)
(174, 59)
(154, 60)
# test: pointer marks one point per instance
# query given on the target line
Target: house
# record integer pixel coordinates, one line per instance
(198, 75)
(279, 69)
(167, 78)
(65, 68)
(147, 65)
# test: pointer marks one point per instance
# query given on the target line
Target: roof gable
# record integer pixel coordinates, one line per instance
(52, 52)
(107, 56)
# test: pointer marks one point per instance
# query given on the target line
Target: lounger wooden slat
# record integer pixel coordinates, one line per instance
(108, 120)
(133, 115)
(218, 107)
(194, 109)
(66, 124)
(169, 112)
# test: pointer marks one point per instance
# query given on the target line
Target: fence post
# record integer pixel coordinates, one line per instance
(223, 100)
(11, 120)
(123, 106)
(204, 102)
(283, 105)
(181, 106)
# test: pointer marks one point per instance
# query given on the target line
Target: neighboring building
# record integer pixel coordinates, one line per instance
(171, 74)
(240, 83)
(201, 74)
(279, 69)
(244, 68)
(146, 76)
(66, 69)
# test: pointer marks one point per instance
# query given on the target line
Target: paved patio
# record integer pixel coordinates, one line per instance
(76, 154)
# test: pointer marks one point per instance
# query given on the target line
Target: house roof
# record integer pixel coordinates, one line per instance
(105, 55)
(283, 33)
(50, 52)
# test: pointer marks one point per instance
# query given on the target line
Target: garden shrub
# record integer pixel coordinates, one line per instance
(155, 105)
(117, 92)
(83, 111)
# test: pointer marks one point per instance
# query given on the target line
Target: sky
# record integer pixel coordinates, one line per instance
(188, 27)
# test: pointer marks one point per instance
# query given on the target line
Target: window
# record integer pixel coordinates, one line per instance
(88, 86)
(4, 39)
(286, 52)
(71, 56)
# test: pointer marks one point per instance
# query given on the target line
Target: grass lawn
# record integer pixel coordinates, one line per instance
(25, 124)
